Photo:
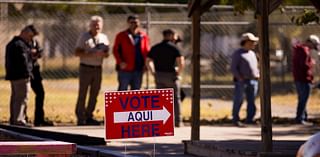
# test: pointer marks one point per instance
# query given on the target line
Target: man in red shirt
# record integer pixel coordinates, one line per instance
(302, 65)
(130, 49)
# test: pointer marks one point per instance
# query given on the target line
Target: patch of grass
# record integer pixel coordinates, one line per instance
(61, 96)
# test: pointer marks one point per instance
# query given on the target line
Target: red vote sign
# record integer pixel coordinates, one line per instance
(139, 113)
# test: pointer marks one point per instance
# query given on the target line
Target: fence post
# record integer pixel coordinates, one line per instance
(3, 11)
(148, 18)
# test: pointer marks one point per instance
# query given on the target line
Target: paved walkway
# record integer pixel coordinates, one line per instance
(173, 146)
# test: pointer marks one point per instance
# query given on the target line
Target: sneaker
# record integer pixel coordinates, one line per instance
(305, 123)
(238, 124)
(91, 121)
(44, 123)
(178, 124)
(19, 123)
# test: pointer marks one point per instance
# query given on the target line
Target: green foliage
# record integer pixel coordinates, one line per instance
(307, 17)
(297, 2)
(151, 1)
(240, 6)
(66, 9)
(168, 1)
(51, 8)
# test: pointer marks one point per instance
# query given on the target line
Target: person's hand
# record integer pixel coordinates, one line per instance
(102, 47)
(152, 72)
(33, 50)
(100, 53)
(240, 79)
(313, 61)
(123, 65)
(34, 53)
(106, 54)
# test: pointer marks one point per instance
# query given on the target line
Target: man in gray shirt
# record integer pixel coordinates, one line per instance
(244, 68)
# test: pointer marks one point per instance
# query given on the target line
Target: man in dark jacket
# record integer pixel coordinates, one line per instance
(37, 86)
(302, 66)
(18, 65)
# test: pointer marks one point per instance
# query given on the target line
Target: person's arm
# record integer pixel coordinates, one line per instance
(36, 51)
(181, 64)
(150, 65)
(117, 53)
(82, 50)
(116, 49)
(105, 53)
(106, 47)
(235, 66)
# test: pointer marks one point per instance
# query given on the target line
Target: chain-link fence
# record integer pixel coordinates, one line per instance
(61, 23)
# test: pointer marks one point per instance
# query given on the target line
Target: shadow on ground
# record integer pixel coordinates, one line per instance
(143, 149)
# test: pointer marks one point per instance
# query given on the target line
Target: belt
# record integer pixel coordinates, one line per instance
(251, 79)
(90, 66)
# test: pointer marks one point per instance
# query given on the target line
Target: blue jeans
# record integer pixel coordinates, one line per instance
(132, 79)
(250, 89)
(303, 91)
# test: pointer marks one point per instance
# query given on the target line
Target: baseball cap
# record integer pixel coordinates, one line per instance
(314, 39)
(249, 36)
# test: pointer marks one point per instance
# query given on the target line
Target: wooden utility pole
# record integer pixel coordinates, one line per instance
(195, 130)
(148, 19)
(265, 92)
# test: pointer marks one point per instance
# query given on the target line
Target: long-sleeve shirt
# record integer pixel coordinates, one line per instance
(124, 49)
(302, 64)
(18, 59)
(244, 64)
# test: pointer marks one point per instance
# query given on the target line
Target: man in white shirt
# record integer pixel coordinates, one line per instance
(92, 47)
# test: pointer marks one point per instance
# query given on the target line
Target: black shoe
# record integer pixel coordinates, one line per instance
(44, 123)
(81, 123)
(238, 124)
(91, 121)
(251, 122)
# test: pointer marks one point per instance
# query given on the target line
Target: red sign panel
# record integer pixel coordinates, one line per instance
(139, 113)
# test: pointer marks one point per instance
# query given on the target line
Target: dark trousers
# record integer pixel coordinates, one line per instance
(37, 87)
(170, 80)
(90, 78)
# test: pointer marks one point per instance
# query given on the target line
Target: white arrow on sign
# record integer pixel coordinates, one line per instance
(141, 116)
